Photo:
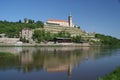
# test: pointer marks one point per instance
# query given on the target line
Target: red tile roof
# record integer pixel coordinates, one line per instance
(57, 20)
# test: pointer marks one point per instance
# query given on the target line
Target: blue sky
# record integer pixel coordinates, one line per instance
(100, 16)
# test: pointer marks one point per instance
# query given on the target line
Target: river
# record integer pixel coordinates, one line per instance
(58, 63)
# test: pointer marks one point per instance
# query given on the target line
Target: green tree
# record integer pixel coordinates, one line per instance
(39, 24)
(108, 40)
(39, 35)
(31, 21)
(12, 29)
(64, 34)
(20, 21)
(76, 39)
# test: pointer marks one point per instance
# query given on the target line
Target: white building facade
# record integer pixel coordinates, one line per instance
(64, 23)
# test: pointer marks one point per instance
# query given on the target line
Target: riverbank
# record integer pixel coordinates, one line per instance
(115, 75)
(47, 45)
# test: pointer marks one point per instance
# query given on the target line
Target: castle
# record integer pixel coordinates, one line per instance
(54, 26)
(62, 23)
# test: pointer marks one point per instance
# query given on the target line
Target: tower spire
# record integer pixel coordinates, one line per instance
(70, 20)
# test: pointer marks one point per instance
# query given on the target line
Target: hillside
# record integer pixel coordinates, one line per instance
(108, 40)
(71, 30)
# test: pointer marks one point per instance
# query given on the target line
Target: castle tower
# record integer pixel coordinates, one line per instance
(70, 21)
(26, 20)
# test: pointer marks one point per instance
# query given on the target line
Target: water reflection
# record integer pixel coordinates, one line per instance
(50, 59)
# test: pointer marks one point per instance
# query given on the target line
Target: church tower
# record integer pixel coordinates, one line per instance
(70, 21)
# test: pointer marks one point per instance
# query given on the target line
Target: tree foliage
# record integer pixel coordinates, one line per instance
(12, 29)
(108, 40)
(64, 34)
(76, 39)
(41, 36)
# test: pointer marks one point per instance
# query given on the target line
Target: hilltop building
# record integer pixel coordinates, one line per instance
(26, 20)
(55, 26)
(62, 23)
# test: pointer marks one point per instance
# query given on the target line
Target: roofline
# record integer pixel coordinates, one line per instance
(57, 20)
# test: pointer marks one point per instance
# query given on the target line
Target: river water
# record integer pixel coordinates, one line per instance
(58, 63)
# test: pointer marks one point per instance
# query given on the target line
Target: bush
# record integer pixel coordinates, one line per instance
(76, 39)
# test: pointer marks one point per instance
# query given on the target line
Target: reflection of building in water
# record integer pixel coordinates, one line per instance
(54, 59)
(57, 68)
(26, 57)
(65, 68)
(69, 70)
(65, 59)
(61, 63)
